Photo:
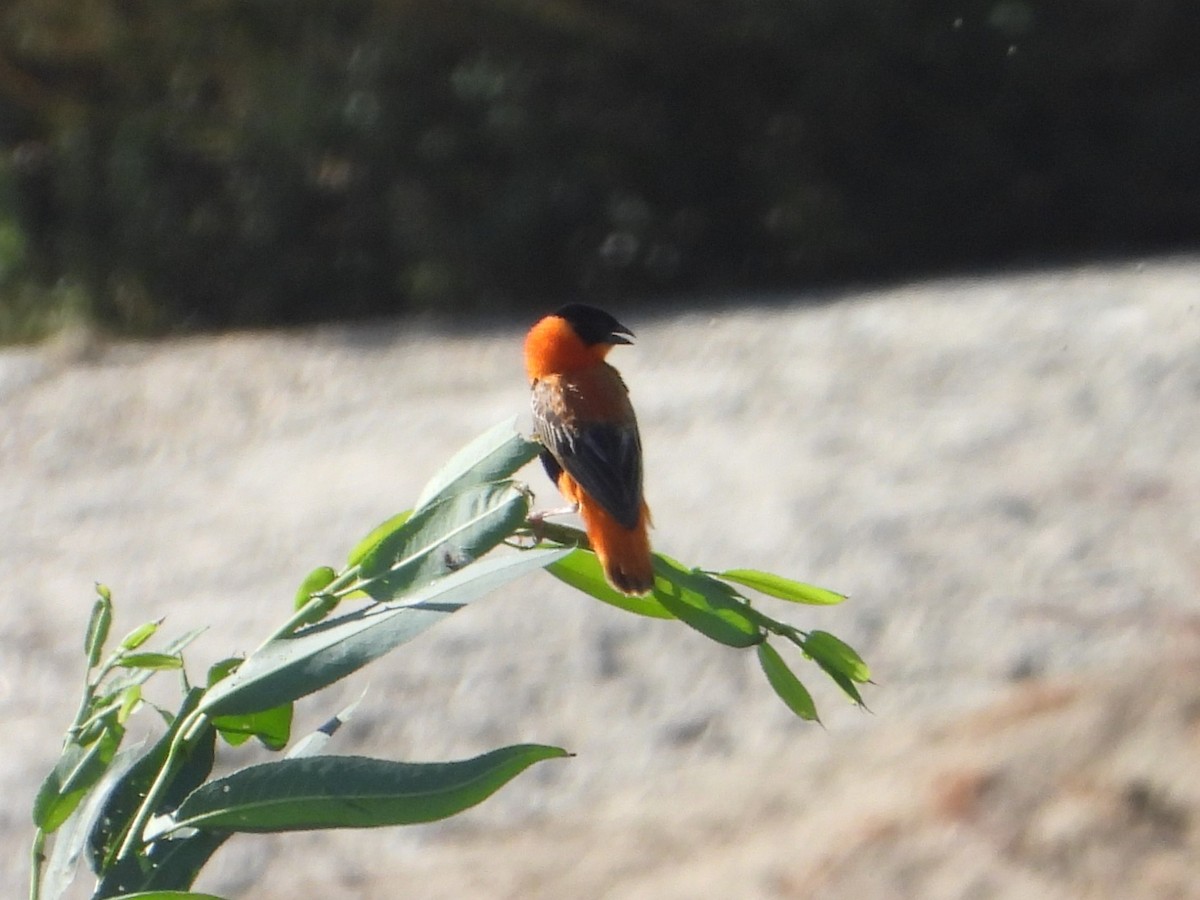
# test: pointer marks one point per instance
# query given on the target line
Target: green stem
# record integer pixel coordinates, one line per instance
(37, 857)
(133, 835)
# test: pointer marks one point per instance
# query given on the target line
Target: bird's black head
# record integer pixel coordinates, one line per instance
(594, 326)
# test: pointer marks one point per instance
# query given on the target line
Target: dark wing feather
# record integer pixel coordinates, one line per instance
(605, 458)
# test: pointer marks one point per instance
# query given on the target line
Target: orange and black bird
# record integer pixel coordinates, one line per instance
(590, 443)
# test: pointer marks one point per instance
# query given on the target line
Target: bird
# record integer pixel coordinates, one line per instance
(591, 447)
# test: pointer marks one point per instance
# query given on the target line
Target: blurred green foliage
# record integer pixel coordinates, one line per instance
(208, 163)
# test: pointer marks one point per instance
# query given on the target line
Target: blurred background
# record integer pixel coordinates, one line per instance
(217, 163)
(916, 294)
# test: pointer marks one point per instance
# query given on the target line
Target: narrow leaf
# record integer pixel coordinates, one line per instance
(131, 677)
(849, 688)
(581, 570)
(703, 603)
(128, 793)
(442, 538)
(789, 688)
(314, 582)
(154, 661)
(166, 864)
(493, 456)
(72, 836)
(140, 635)
(77, 771)
(312, 658)
(272, 727)
(352, 792)
(98, 626)
(131, 697)
(835, 654)
(378, 533)
(784, 588)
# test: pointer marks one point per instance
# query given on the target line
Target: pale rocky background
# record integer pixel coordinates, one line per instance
(1003, 472)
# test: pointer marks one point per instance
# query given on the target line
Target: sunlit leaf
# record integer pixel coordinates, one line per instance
(378, 533)
(139, 635)
(316, 580)
(784, 682)
(703, 603)
(98, 626)
(312, 658)
(783, 588)
(131, 697)
(493, 456)
(352, 792)
(75, 773)
(155, 661)
(273, 727)
(849, 688)
(835, 654)
(581, 570)
(442, 538)
(72, 836)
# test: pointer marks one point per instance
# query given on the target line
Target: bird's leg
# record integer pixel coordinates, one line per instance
(551, 513)
(536, 519)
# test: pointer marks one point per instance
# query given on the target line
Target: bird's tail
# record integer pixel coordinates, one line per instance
(624, 553)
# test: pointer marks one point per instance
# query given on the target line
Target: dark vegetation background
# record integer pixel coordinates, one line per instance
(216, 163)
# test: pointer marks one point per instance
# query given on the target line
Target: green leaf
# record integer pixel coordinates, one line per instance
(789, 688)
(166, 864)
(154, 661)
(314, 582)
(849, 688)
(312, 658)
(378, 533)
(581, 570)
(140, 635)
(493, 456)
(131, 697)
(704, 603)
(273, 727)
(98, 627)
(833, 653)
(784, 588)
(222, 669)
(128, 678)
(442, 538)
(72, 836)
(75, 773)
(127, 795)
(318, 792)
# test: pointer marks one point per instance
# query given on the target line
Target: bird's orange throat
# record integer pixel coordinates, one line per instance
(552, 347)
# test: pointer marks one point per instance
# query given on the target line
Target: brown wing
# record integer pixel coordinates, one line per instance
(588, 426)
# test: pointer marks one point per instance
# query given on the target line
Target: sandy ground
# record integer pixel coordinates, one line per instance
(1004, 473)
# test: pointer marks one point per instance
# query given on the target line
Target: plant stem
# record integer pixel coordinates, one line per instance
(37, 857)
(133, 835)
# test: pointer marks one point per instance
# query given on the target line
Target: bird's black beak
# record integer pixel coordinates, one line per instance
(621, 335)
